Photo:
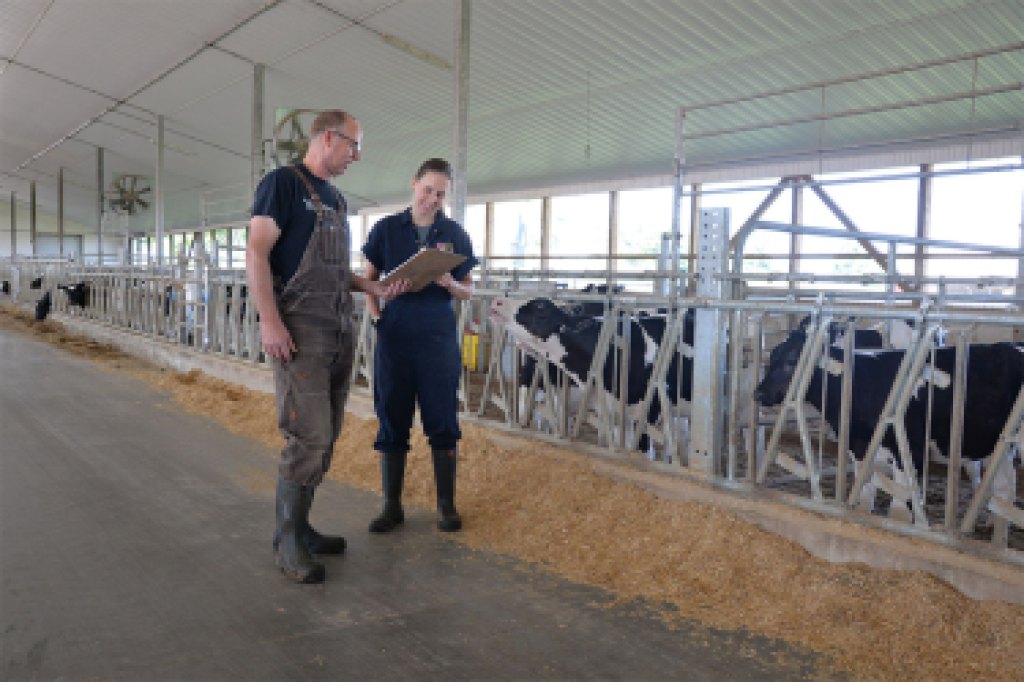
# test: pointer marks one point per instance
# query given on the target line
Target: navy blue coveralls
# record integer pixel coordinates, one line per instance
(417, 353)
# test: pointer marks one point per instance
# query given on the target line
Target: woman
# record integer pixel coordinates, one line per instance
(417, 356)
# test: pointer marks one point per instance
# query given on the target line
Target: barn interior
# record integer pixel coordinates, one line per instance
(696, 181)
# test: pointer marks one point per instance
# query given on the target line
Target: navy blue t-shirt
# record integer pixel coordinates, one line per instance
(282, 196)
(393, 240)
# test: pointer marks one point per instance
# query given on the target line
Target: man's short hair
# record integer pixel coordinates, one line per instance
(326, 120)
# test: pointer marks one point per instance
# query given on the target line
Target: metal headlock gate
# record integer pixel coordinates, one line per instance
(719, 435)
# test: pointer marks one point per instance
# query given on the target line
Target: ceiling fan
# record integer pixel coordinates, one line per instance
(126, 194)
(290, 137)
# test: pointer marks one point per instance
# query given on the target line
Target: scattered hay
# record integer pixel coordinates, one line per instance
(549, 506)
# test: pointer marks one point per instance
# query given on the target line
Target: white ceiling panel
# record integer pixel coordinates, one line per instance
(201, 77)
(33, 108)
(19, 19)
(283, 28)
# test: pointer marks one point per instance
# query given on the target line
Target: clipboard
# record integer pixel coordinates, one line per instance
(424, 267)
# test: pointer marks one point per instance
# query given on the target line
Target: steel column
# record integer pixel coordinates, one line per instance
(460, 133)
(706, 425)
(613, 236)
(545, 233)
(60, 211)
(696, 203)
(1018, 332)
(796, 217)
(14, 226)
(159, 190)
(99, 206)
(32, 217)
(924, 219)
(256, 149)
(678, 173)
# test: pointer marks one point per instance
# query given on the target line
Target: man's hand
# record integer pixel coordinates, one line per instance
(277, 342)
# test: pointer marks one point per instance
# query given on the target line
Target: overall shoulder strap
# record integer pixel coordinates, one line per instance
(342, 205)
(309, 188)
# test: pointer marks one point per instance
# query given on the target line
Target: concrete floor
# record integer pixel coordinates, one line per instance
(135, 545)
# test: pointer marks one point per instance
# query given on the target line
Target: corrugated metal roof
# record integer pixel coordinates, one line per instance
(561, 91)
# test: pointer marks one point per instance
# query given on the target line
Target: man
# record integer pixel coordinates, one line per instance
(300, 279)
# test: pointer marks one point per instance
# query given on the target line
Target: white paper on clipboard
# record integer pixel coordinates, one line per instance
(424, 267)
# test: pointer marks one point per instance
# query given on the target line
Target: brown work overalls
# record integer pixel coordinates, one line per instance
(316, 307)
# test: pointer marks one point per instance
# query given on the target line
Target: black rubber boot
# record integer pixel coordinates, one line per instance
(291, 554)
(444, 477)
(392, 474)
(315, 542)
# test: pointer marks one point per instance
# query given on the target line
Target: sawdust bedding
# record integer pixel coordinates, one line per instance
(549, 506)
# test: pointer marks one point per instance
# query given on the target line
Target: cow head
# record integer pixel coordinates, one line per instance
(538, 318)
(548, 331)
(781, 365)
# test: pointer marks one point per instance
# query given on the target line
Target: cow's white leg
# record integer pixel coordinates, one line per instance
(972, 467)
(883, 462)
(866, 499)
(899, 508)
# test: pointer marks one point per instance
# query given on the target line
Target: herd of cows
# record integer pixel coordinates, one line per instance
(80, 293)
(565, 337)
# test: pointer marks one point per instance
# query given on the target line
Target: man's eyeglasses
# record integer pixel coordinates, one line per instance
(353, 141)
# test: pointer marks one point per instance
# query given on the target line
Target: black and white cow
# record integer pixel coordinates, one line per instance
(43, 307)
(79, 293)
(569, 341)
(995, 373)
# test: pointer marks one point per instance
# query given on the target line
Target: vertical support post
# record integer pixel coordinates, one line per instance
(158, 208)
(60, 212)
(99, 206)
(696, 201)
(796, 217)
(229, 244)
(32, 217)
(924, 219)
(706, 423)
(613, 237)
(488, 249)
(14, 227)
(256, 141)
(678, 164)
(545, 233)
(460, 136)
(1018, 333)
